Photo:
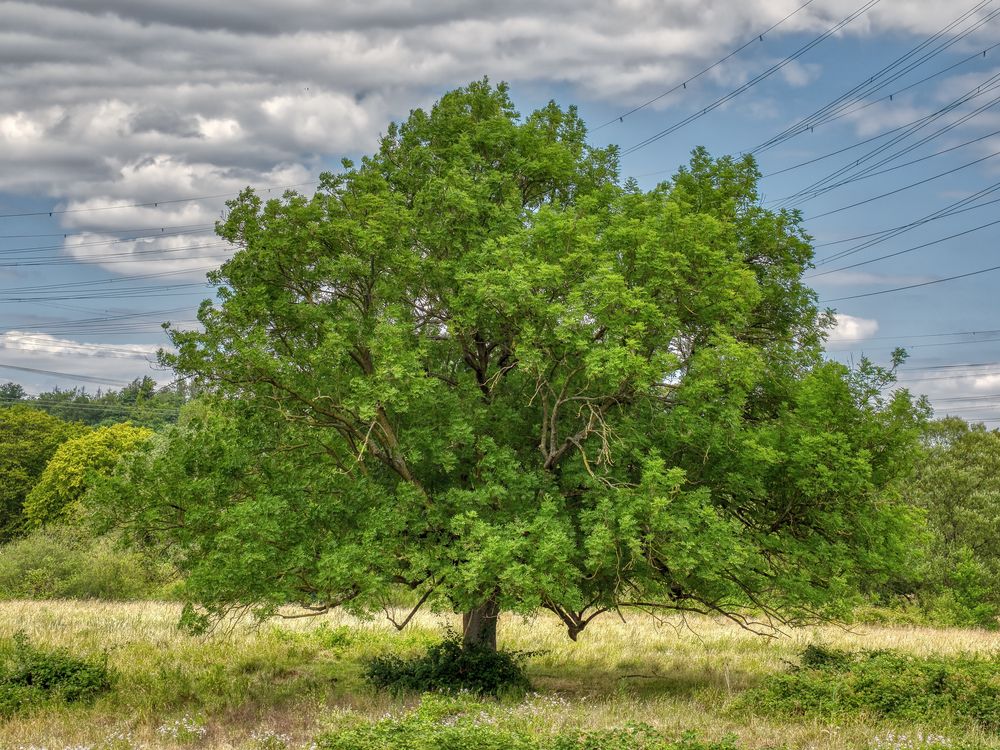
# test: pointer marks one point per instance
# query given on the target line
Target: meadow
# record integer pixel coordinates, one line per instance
(293, 683)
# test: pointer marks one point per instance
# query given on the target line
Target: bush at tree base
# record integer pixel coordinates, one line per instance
(450, 666)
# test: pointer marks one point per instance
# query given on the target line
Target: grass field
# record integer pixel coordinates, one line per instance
(283, 683)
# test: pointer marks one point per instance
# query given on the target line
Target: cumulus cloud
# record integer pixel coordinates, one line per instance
(47, 344)
(851, 328)
(250, 84)
(32, 358)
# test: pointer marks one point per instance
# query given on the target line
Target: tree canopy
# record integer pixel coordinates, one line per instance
(28, 438)
(480, 366)
(73, 468)
(955, 483)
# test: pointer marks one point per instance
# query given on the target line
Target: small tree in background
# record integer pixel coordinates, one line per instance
(480, 367)
(11, 393)
(74, 467)
(28, 438)
(957, 484)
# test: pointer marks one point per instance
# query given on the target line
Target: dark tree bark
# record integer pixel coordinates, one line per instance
(479, 625)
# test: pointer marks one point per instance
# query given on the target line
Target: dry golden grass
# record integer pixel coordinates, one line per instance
(290, 678)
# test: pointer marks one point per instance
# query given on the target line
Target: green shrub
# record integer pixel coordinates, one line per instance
(65, 562)
(887, 684)
(461, 723)
(449, 666)
(30, 675)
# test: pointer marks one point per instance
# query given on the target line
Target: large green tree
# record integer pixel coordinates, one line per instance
(522, 383)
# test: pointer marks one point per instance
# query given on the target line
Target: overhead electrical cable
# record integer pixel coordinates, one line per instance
(148, 204)
(904, 187)
(106, 318)
(100, 243)
(914, 286)
(77, 351)
(918, 381)
(885, 232)
(844, 149)
(854, 171)
(134, 256)
(892, 95)
(878, 80)
(983, 397)
(977, 342)
(868, 173)
(861, 165)
(755, 80)
(101, 282)
(74, 376)
(683, 84)
(105, 230)
(903, 252)
(960, 365)
(919, 336)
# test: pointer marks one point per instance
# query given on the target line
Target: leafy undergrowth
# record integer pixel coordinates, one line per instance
(449, 666)
(461, 723)
(31, 676)
(957, 690)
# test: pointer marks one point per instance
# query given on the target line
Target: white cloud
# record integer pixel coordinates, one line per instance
(850, 328)
(92, 86)
(192, 254)
(985, 382)
(117, 101)
(31, 358)
(44, 343)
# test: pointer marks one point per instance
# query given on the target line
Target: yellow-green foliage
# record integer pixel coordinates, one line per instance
(71, 470)
(28, 438)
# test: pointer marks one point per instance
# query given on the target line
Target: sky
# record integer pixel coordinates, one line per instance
(126, 124)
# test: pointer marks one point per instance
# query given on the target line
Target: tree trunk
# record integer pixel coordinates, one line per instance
(479, 625)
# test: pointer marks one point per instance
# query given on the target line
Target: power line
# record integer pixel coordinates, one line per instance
(885, 233)
(903, 252)
(132, 256)
(844, 149)
(965, 365)
(906, 187)
(106, 318)
(868, 173)
(823, 185)
(98, 350)
(889, 97)
(75, 376)
(921, 335)
(147, 204)
(100, 243)
(755, 80)
(683, 84)
(977, 342)
(116, 280)
(913, 286)
(873, 83)
(103, 230)
(983, 397)
(953, 378)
